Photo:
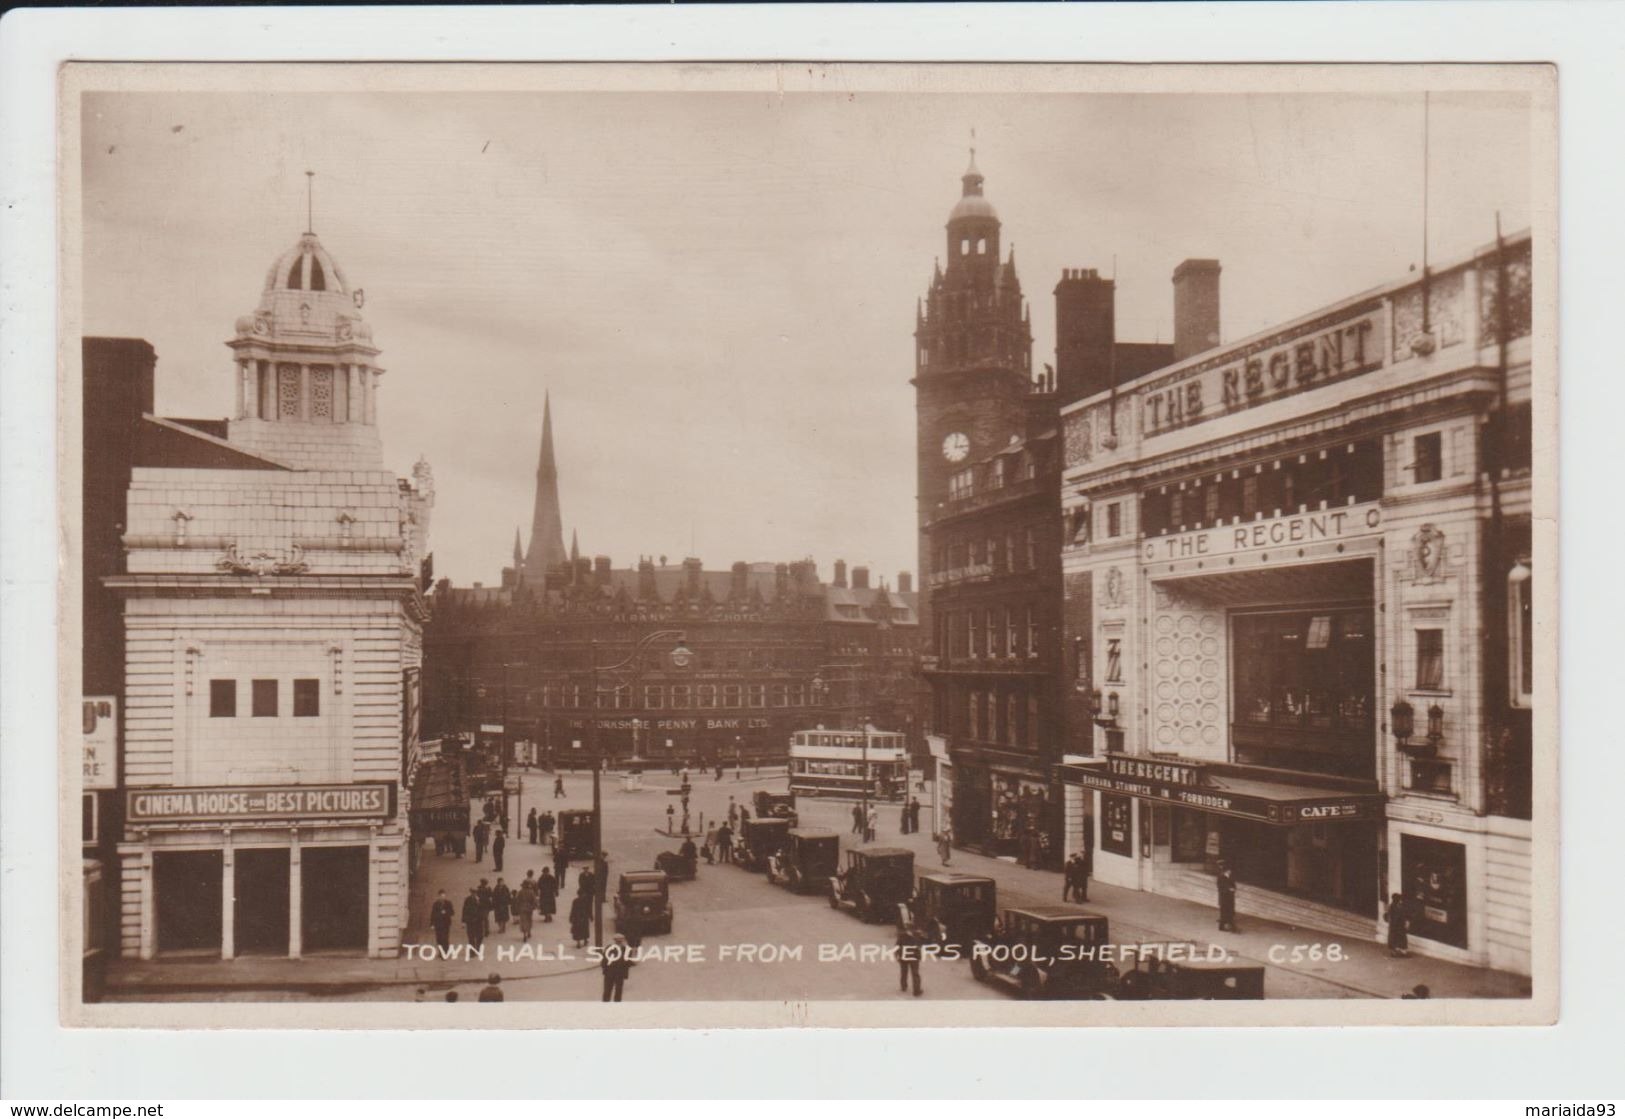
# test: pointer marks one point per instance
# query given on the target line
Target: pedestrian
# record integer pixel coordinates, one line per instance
(484, 894)
(547, 823)
(558, 787)
(945, 844)
(725, 842)
(451, 996)
(871, 824)
(617, 961)
(474, 918)
(1420, 991)
(561, 863)
(584, 882)
(525, 907)
(1399, 924)
(733, 813)
(902, 819)
(492, 991)
(709, 848)
(744, 816)
(581, 920)
(482, 835)
(1226, 882)
(857, 819)
(600, 873)
(501, 904)
(671, 818)
(719, 771)
(914, 815)
(499, 843)
(422, 995)
(1087, 870)
(909, 943)
(547, 895)
(441, 915)
(533, 825)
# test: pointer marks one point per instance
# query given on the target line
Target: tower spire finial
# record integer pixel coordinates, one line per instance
(546, 550)
(310, 203)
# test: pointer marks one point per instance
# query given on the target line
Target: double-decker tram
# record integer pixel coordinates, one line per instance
(840, 763)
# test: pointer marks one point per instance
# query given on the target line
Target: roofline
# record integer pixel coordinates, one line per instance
(223, 444)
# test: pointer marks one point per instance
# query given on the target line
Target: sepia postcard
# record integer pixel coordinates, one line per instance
(788, 544)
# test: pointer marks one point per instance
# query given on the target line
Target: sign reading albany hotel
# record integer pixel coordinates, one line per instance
(261, 802)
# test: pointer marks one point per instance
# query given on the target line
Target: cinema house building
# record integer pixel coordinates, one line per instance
(272, 614)
(1298, 572)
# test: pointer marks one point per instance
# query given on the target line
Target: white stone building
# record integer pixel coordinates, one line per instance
(1283, 550)
(273, 615)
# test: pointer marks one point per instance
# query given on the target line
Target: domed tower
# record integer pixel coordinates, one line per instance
(973, 356)
(307, 371)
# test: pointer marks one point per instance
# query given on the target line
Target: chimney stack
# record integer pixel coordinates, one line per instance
(1196, 307)
(840, 574)
(600, 570)
(1085, 334)
(905, 583)
(860, 578)
(646, 580)
(691, 574)
(781, 579)
(737, 589)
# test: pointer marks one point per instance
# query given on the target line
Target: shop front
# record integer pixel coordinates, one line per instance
(284, 870)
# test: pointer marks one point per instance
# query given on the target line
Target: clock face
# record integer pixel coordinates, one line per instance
(955, 447)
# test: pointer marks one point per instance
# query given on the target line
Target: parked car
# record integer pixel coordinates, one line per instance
(876, 882)
(679, 867)
(643, 903)
(759, 840)
(782, 805)
(955, 908)
(576, 832)
(1191, 979)
(1046, 952)
(809, 857)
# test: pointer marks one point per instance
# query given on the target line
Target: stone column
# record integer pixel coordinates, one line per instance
(242, 388)
(352, 401)
(228, 896)
(296, 917)
(373, 855)
(146, 867)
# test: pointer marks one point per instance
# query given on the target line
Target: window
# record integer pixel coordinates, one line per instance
(1521, 620)
(960, 485)
(975, 634)
(798, 695)
(1114, 660)
(307, 698)
(1210, 505)
(679, 695)
(995, 479)
(732, 695)
(318, 282)
(265, 699)
(1011, 730)
(654, 696)
(707, 695)
(976, 714)
(1427, 456)
(1114, 519)
(1249, 497)
(1032, 550)
(992, 633)
(1032, 721)
(757, 694)
(1011, 637)
(1430, 659)
(222, 699)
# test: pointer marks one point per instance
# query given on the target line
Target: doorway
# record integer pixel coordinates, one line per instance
(334, 899)
(261, 904)
(187, 893)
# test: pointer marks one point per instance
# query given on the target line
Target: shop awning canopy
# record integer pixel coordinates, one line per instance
(1225, 791)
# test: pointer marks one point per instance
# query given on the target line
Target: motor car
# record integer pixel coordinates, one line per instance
(954, 908)
(575, 832)
(759, 840)
(877, 880)
(1191, 979)
(678, 866)
(782, 805)
(1046, 952)
(809, 857)
(643, 903)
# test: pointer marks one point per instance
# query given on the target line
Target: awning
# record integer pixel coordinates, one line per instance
(1227, 794)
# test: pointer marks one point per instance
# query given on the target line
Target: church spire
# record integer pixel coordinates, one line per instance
(518, 552)
(546, 525)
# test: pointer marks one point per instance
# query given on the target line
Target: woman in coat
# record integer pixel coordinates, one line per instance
(501, 904)
(581, 919)
(547, 894)
(1399, 921)
(524, 907)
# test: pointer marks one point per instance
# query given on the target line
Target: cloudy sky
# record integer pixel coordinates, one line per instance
(718, 289)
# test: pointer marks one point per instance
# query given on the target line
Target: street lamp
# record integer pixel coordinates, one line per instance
(680, 656)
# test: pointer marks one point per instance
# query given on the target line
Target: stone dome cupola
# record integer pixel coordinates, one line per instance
(973, 227)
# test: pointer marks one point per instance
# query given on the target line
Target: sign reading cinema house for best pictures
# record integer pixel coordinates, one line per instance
(1325, 525)
(257, 802)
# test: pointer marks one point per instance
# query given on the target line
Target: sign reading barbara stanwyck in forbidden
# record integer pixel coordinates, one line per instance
(744, 576)
(260, 802)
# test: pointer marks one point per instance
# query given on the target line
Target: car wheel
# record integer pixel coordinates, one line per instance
(834, 899)
(1031, 985)
(978, 970)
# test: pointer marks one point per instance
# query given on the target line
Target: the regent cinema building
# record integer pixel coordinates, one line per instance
(1298, 586)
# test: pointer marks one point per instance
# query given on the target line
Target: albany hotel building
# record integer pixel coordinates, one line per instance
(268, 573)
(1298, 572)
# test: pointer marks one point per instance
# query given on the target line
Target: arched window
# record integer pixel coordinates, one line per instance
(318, 282)
(981, 245)
(964, 246)
(293, 274)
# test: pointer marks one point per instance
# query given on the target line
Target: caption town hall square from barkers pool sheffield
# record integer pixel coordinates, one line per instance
(1248, 617)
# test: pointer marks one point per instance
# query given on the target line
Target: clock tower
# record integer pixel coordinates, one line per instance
(972, 360)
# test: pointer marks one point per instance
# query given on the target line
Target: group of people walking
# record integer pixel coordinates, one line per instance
(865, 822)
(911, 816)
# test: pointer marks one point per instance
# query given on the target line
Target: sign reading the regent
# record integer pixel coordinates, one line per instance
(1155, 769)
(1267, 370)
(260, 802)
(1300, 528)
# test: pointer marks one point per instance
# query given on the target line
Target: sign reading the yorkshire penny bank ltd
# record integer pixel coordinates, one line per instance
(1342, 523)
(260, 802)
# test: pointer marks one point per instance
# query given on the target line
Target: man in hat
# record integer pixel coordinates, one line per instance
(1227, 897)
(492, 991)
(441, 915)
(474, 918)
(616, 963)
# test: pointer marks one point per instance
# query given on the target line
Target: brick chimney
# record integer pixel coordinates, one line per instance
(646, 580)
(600, 570)
(840, 574)
(737, 589)
(1196, 307)
(781, 579)
(691, 574)
(1085, 332)
(860, 578)
(905, 583)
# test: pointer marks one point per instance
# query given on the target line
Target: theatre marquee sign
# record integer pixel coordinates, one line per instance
(230, 803)
(1322, 526)
(1189, 785)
